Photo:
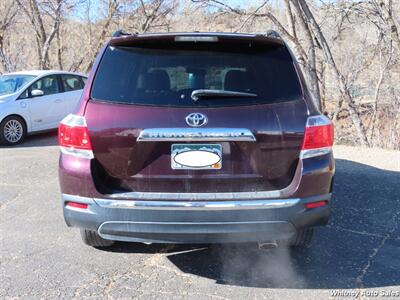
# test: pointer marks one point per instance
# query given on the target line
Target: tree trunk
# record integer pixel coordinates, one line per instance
(113, 6)
(59, 51)
(3, 57)
(311, 70)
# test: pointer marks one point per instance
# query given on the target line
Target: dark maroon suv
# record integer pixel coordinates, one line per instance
(196, 138)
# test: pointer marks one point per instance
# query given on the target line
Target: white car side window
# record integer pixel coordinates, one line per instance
(48, 84)
(71, 83)
(24, 94)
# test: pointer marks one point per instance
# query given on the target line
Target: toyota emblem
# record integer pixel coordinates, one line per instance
(196, 119)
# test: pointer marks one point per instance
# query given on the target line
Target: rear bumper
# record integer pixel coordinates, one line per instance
(196, 222)
(199, 218)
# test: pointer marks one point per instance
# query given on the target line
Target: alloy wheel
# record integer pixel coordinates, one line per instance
(13, 131)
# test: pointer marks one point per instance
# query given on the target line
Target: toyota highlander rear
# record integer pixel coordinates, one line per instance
(196, 138)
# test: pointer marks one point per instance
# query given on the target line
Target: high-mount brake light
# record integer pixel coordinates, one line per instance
(318, 137)
(73, 137)
(193, 38)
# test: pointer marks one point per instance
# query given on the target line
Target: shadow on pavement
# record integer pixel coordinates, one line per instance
(358, 249)
(37, 140)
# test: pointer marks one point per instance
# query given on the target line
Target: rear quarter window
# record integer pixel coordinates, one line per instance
(168, 76)
(71, 82)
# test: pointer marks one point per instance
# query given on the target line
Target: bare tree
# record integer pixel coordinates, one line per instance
(383, 10)
(8, 12)
(155, 13)
(339, 77)
(113, 8)
(311, 65)
(38, 14)
(135, 16)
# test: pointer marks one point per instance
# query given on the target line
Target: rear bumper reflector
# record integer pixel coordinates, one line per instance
(77, 205)
(316, 204)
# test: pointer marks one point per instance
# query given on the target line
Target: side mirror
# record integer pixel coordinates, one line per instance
(37, 93)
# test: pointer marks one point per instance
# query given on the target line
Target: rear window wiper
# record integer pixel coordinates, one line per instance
(197, 94)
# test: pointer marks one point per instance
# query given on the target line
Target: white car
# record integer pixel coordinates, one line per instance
(36, 101)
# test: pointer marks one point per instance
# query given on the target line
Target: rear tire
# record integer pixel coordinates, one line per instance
(12, 130)
(302, 238)
(92, 238)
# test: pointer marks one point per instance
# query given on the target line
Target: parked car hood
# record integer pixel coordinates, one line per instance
(6, 98)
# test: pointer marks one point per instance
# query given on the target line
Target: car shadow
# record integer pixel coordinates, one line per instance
(358, 249)
(48, 138)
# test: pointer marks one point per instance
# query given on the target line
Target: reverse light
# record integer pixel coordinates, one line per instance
(318, 137)
(77, 205)
(316, 204)
(73, 137)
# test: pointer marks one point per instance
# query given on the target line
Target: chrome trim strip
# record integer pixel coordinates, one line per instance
(196, 196)
(88, 154)
(74, 120)
(192, 223)
(196, 134)
(258, 195)
(74, 198)
(315, 152)
(179, 205)
(318, 120)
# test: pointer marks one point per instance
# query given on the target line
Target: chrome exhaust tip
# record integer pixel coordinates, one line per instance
(267, 245)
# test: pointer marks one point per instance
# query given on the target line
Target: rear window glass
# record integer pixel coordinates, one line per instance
(167, 77)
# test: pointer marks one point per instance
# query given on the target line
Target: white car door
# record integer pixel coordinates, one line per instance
(72, 86)
(43, 100)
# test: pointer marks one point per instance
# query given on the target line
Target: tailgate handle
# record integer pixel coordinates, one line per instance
(196, 134)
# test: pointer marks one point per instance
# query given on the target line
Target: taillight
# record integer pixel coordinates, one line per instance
(318, 137)
(73, 137)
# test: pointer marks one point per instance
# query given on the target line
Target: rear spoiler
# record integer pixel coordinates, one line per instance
(122, 38)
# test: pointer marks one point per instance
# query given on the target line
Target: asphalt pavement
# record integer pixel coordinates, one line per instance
(357, 254)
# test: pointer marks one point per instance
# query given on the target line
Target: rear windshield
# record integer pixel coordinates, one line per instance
(168, 76)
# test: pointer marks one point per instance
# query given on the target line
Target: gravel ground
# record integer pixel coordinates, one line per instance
(358, 252)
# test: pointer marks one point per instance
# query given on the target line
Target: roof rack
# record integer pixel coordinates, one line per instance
(273, 34)
(120, 33)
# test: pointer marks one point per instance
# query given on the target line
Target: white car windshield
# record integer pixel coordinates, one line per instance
(12, 83)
